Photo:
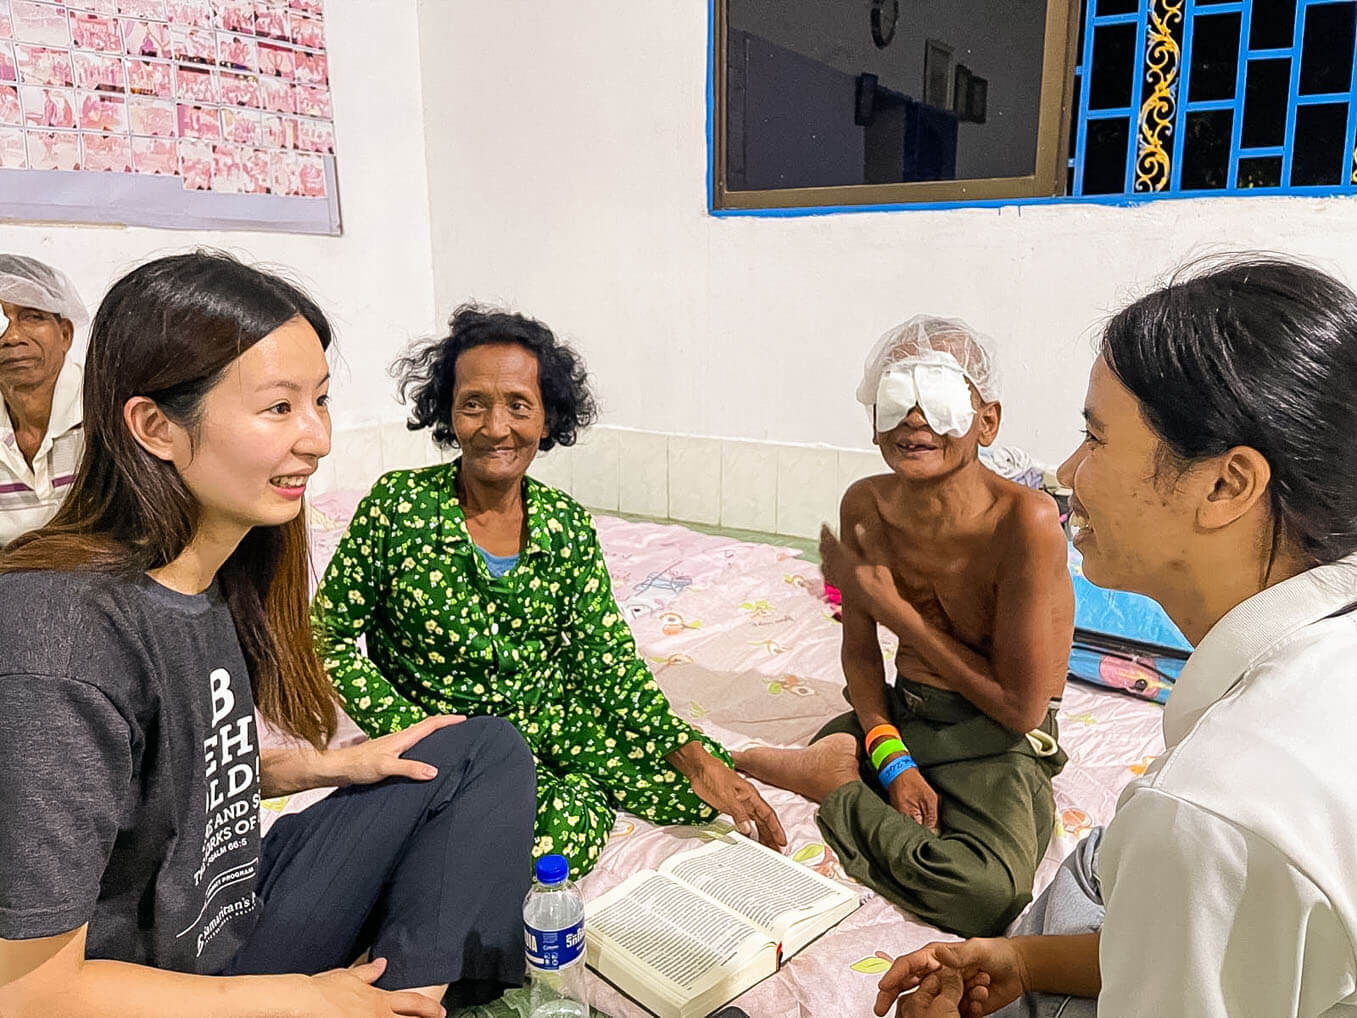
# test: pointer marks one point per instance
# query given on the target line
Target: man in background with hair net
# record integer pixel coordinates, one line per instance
(40, 434)
(935, 789)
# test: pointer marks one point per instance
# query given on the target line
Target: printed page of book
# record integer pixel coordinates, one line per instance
(792, 903)
(669, 947)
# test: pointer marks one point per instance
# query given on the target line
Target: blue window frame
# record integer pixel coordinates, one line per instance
(1233, 97)
(1192, 98)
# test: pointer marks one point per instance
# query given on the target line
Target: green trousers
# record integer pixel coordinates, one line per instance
(996, 813)
(588, 767)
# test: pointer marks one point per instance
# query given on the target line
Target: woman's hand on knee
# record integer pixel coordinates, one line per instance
(382, 758)
(349, 993)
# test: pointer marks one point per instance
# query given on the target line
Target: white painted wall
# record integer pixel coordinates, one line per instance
(556, 151)
(567, 155)
(375, 282)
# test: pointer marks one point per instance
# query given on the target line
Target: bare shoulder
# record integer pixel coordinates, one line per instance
(1030, 526)
(862, 500)
(867, 494)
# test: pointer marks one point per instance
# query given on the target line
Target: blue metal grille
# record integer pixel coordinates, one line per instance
(1226, 97)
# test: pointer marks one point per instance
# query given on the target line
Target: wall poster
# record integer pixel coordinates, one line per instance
(196, 114)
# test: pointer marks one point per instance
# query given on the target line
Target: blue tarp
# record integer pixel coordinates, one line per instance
(1123, 641)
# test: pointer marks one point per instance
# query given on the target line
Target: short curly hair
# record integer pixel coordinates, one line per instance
(428, 374)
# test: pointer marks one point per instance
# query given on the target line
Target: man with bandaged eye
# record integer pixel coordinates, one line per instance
(935, 789)
(40, 434)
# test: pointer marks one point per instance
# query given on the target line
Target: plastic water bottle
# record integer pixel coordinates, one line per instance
(553, 932)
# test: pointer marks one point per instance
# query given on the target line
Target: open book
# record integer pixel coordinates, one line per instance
(708, 924)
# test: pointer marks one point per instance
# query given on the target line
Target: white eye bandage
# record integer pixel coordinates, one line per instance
(935, 383)
(4, 323)
(931, 363)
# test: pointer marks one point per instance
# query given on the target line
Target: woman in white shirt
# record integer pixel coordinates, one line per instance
(1218, 475)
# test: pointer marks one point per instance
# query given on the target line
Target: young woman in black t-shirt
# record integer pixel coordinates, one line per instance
(141, 628)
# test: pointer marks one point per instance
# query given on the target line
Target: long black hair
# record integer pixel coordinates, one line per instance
(1261, 352)
(169, 330)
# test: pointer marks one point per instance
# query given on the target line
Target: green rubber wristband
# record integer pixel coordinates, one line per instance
(885, 748)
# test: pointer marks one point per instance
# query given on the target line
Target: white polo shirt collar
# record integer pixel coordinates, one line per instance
(67, 413)
(1248, 632)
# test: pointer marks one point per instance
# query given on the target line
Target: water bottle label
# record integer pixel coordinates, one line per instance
(553, 949)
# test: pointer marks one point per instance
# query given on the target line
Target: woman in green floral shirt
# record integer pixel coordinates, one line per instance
(479, 590)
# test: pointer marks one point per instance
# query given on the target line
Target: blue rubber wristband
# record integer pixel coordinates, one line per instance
(895, 768)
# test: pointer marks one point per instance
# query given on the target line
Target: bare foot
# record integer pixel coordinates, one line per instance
(814, 772)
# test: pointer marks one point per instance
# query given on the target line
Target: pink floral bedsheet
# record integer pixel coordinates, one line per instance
(743, 645)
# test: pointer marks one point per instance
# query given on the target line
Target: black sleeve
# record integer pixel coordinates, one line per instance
(65, 766)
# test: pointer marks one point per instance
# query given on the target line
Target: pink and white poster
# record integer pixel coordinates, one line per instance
(47, 107)
(195, 84)
(277, 61)
(100, 72)
(155, 10)
(277, 95)
(150, 77)
(53, 150)
(221, 97)
(42, 65)
(237, 52)
(11, 113)
(107, 153)
(199, 122)
(194, 45)
(155, 155)
(239, 89)
(270, 22)
(101, 112)
(313, 101)
(192, 14)
(195, 164)
(41, 23)
(12, 153)
(308, 33)
(95, 32)
(152, 118)
(242, 126)
(236, 16)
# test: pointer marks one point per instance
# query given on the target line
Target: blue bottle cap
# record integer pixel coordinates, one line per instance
(552, 869)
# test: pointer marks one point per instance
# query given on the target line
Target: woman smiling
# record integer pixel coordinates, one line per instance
(1218, 475)
(141, 627)
(479, 590)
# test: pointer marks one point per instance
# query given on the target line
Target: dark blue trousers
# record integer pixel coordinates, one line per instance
(427, 874)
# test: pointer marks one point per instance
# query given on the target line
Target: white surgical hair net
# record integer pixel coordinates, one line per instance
(30, 283)
(922, 337)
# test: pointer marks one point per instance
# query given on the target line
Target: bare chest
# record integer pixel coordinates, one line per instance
(951, 585)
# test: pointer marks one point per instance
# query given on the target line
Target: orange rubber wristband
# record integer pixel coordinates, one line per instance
(878, 732)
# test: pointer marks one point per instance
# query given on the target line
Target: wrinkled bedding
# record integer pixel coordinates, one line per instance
(745, 648)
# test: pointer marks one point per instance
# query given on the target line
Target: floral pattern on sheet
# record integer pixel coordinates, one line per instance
(723, 678)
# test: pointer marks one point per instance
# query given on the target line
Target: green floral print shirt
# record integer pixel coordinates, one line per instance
(444, 637)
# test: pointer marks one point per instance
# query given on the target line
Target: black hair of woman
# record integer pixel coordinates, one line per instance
(428, 374)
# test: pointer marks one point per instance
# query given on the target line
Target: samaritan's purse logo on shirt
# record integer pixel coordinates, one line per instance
(231, 764)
